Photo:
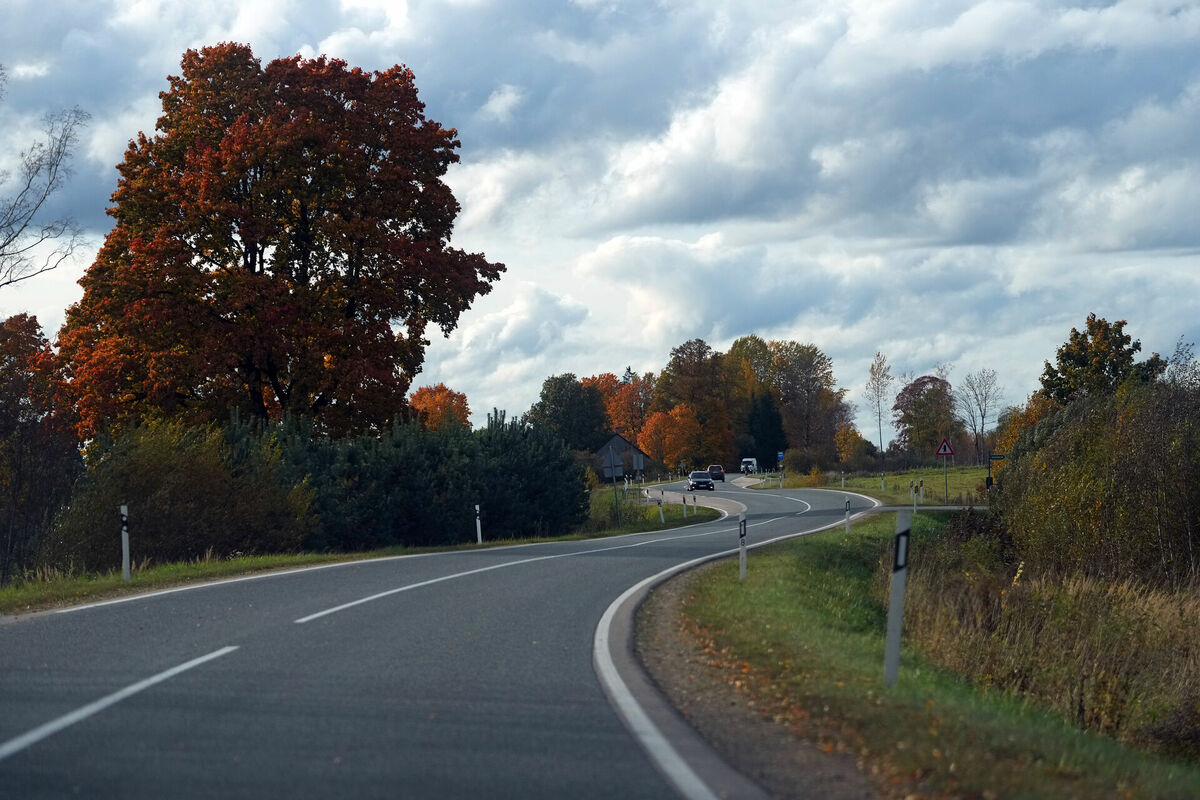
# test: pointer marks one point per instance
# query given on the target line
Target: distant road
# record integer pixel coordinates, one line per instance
(465, 674)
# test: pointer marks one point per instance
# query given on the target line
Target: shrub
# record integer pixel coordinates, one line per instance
(408, 487)
(188, 493)
(1110, 486)
(530, 483)
(1116, 657)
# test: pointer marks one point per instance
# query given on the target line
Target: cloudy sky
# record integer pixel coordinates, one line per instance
(945, 182)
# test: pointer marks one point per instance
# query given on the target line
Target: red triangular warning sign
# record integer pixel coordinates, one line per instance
(944, 449)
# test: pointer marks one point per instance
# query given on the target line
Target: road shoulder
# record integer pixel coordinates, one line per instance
(765, 751)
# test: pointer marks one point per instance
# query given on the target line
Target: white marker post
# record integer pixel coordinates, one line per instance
(847, 515)
(125, 544)
(742, 545)
(478, 526)
(891, 658)
(661, 518)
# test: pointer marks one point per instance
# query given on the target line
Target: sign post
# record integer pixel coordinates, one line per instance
(742, 545)
(945, 450)
(991, 458)
(478, 527)
(891, 658)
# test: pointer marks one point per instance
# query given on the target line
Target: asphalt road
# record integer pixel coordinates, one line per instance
(493, 673)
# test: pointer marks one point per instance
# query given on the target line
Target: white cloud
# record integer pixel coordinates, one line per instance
(106, 137)
(26, 71)
(502, 102)
(943, 181)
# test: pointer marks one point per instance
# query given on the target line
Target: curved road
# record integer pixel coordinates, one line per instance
(491, 673)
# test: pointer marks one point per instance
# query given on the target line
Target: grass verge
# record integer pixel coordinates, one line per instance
(49, 591)
(965, 485)
(804, 637)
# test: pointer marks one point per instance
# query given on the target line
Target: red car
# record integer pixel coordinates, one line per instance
(716, 472)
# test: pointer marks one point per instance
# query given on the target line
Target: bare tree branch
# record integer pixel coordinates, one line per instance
(43, 170)
(979, 398)
(878, 386)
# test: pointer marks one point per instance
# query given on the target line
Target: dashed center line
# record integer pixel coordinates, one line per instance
(13, 746)
(465, 573)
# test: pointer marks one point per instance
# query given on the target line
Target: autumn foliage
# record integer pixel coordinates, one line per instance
(281, 246)
(438, 406)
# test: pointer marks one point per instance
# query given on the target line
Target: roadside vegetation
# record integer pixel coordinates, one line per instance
(968, 486)
(1057, 633)
(631, 512)
(802, 638)
(48, 587)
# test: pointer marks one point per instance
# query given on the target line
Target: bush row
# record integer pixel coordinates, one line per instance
(238, 489)
(1109, 487)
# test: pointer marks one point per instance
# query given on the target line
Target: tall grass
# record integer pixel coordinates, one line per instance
(967, 485)
(801, 639)
(637, 513)
(1120, 658)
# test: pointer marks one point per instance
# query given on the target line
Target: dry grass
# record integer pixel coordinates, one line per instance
(801, 639)
(966, 485)
(1118, 658)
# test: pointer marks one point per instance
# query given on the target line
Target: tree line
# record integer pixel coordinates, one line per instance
(761, 398)
(1102, 473)
(238, 366)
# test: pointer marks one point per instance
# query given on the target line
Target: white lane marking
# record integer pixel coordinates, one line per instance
(673, 765)
(278, 573)
(258, 576)
(41, 732)
(506, 564)
(785, 497)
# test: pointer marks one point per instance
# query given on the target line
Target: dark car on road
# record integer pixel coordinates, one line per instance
(716, 472)
(700, 479)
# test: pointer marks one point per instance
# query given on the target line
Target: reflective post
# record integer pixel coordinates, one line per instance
(891, 659)
(125, 544)
(742, 545)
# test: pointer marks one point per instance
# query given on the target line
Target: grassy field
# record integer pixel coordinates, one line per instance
(51, 590)
(966, 485)
(804, 636)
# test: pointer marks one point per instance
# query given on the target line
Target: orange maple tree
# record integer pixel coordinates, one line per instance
(438, 406)
(281, 245)
(653, 438)
(685, 437)
(630, 406)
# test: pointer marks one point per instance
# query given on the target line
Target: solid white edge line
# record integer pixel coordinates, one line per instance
(675, 767)
(13, 746)
(677, 770)
(354, 562)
